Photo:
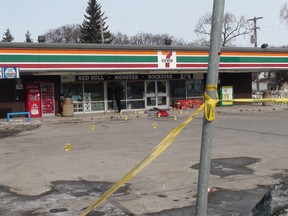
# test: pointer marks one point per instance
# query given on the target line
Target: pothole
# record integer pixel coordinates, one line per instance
(230, 166)
(47, 204)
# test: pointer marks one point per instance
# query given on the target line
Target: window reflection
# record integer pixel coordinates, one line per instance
(194, 88)
(151, 87)
(95, 91)
(74, 91)
(161, 86)
(135, 90)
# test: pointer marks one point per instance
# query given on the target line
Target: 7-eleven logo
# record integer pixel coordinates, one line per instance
(167, 59)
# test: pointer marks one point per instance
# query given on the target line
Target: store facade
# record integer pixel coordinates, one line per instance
(38, 77)
(94, 93)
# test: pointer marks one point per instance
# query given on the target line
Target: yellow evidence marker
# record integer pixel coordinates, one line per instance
(68, 147)
(93, 127)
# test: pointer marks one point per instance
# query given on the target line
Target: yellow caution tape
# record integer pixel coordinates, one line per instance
(248, 100)
(209, 112)
(211, 88)
(209, 109)
(161, 147)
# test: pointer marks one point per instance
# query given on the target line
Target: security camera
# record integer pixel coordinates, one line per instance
(265, 45)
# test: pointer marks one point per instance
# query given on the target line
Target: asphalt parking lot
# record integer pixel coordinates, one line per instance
(38, 177)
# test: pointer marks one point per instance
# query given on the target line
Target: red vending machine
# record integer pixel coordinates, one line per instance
(33, 99)
(47, 97)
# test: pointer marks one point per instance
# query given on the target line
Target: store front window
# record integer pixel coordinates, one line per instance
(116, 89)
(75, 92)
(131, 94)
(135, 95)
(93, 96)
(185, 89)
(194, 88)
(156, 94)
(88, 97)
(177, 90)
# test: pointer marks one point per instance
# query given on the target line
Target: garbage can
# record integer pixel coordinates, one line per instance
(68, 108)
(267, 94)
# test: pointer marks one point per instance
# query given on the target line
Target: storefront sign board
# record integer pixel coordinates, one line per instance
(134, 77)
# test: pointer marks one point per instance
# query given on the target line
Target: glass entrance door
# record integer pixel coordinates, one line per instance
(156, 94)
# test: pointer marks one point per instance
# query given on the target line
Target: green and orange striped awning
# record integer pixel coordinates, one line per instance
(52, 58)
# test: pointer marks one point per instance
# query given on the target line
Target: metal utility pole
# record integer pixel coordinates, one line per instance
(255, 28)
(255, 44)
(211, 90)
(102, 30)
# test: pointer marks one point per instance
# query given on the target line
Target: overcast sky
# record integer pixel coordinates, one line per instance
(176, 18)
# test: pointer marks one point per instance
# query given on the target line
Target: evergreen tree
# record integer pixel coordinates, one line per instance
(28, 37)
(93, 29)
(7, 36)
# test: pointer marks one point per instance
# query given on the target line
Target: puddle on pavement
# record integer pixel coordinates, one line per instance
(48, 202)
(230, 166)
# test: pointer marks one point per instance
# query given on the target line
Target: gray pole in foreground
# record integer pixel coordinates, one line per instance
(212, 80)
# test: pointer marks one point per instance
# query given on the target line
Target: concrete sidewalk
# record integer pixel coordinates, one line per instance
(145, 113)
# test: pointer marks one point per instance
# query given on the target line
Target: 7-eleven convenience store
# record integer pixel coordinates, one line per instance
(146, 77)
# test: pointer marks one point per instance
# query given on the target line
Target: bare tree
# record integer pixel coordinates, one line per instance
(28, 38)
(120, 38)
(280, 77)
(147, 39)
(232, 28)
(64, 34)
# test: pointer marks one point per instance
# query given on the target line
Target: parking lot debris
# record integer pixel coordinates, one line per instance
(58, 210)
(213, 189)
(274, 202)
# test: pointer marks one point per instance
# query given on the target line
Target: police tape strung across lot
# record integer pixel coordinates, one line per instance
(209, 112)
(161, 147)
(272, 100)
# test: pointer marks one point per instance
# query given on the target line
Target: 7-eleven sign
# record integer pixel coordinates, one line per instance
(10, 72)
(166, 59)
